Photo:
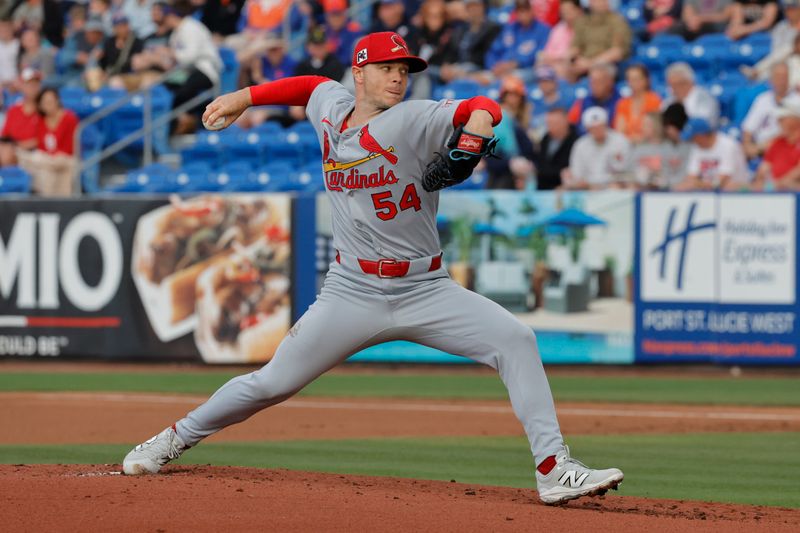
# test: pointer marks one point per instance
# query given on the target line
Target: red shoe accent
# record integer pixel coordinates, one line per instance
(547, 465)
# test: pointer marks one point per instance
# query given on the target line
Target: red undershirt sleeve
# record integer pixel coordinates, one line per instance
(466, 107)
(288, 91)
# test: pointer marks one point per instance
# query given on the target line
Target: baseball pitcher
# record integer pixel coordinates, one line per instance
(384, 161)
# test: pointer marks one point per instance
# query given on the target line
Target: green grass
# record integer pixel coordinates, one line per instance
(721, 391)
(748, 468)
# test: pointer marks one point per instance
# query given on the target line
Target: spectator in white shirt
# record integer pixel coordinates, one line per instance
(601, 158)
(716, 161)
(697, 101)
(191, 47)
(760, 126)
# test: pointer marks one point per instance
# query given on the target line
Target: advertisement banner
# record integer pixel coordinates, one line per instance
(717, 278)
(141, 278)
(560, 262)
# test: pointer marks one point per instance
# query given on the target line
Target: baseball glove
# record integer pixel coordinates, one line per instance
(464, 151)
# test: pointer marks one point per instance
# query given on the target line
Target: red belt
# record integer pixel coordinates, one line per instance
(391, 268)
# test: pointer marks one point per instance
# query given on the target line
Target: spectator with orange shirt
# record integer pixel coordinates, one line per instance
(22, 120)
(52, 165)
(263, 19)
(631, 110)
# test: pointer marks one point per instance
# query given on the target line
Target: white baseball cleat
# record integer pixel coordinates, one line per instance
(149, 456)
(570, 479)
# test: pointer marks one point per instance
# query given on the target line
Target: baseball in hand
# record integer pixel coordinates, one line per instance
(217, 125)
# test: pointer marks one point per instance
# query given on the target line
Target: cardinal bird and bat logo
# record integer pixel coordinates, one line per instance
(367, 142)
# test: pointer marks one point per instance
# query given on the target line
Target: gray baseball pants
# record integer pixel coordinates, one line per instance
(355, 311)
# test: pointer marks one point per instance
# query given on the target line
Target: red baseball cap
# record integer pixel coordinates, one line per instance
(385, 46)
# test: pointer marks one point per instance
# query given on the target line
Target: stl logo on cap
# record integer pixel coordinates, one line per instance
(401, 44)
(361, 56)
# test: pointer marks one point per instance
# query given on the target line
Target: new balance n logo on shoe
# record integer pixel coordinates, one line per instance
(572, 479)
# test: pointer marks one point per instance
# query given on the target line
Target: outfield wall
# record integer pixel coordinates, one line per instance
(607, 277)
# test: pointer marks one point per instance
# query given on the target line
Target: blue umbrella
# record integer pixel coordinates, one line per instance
(482, 228)
(442, 222)
(574, 218)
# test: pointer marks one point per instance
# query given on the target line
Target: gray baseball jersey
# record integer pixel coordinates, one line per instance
(380, 211)
(372, 173)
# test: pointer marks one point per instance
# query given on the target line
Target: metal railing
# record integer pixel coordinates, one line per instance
(146, 132)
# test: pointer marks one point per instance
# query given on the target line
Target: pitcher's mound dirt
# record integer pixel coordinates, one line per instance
(192, 498)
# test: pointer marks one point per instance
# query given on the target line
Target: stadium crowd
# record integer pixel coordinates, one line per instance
(585, 104)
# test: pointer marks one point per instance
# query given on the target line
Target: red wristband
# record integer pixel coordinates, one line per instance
(465, 109)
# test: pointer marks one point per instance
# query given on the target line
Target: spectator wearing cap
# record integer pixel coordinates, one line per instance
(221, 17)
(551, 96)
(760, 125)
(275, 64)
(192, 48)
(470, 43)
(602, 93)
(783, 43)
(696, 101)
(780, 168)
(600, 158)
(557, 51)
(631, 110)
(391, 16)
(514, 168)
(601, 36)
(751, 16)
(52, 165)
(29, 15)
(341, 33)
(9, 50)
(320, 60)
(517, 47)
(118, 51)
(699, 17)
(82, 50)
(552, 156)
(716, 161)
(22, 119)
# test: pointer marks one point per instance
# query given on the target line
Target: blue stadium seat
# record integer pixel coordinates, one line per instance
(229, 80)
(287, 148)
(148, 179)
(656, 57)
(274, 177)
(193, 176)
(458, 89)
(634, 13)
(14, 180)
(237, 176)
(249, 147)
